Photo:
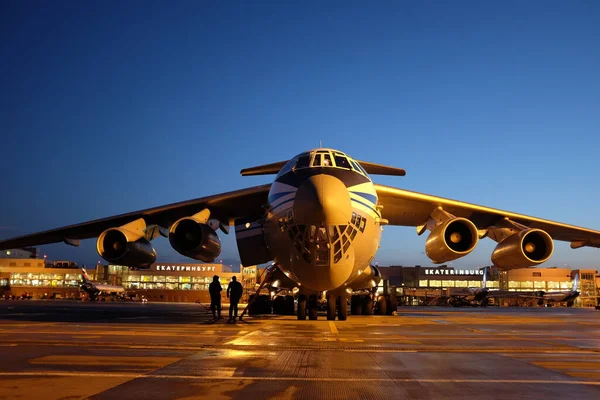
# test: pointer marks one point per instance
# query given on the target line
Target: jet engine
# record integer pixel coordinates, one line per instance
(117, 245)
(451, 239)
(195, 240)
(366, 279)
(526, 248)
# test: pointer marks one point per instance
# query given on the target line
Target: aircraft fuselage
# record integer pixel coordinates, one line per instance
(323, 225)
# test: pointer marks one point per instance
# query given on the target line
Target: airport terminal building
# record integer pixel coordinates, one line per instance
(180, 282)
(188, 282)
(418, 285)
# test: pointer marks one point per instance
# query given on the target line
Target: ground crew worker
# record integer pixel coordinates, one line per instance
(215, 290)
(234, 293)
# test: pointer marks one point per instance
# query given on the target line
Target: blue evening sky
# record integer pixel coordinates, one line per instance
(109, 107)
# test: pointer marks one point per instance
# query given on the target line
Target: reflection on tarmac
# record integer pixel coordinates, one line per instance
(73, 350)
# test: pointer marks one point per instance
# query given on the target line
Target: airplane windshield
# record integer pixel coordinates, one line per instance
(302, 162)
(342, 162)
(320, 159)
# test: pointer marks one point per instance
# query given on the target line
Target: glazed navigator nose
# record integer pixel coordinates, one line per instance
(322, 199)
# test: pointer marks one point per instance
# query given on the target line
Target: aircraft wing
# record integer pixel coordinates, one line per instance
(224, 207)
(406, 208)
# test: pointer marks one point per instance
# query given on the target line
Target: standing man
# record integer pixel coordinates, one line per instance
(215, 290)
(234, 293)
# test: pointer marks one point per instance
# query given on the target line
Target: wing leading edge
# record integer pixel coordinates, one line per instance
(224, 207)
(406, 208)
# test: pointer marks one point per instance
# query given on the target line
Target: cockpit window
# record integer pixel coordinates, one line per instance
(362, 169)
(322, 160)
(303, 162)
(287, 167)
(342, 161)
(356, 166)
(317, 160)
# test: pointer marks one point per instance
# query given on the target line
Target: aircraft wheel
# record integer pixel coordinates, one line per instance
(569, 304)
(301, 307)
(392, 304)
(331, 307)
(312, 308)
(367, 305)
(252, 307)
(382, 303)
(342, 308)
(263, 304)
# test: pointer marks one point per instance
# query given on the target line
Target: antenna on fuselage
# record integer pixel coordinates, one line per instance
(320, 144)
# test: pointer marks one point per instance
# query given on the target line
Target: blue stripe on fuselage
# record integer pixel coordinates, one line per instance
(368, 206)
(370, 197)
(276, 196)
(282, 203)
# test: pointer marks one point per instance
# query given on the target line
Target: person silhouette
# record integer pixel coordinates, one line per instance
(215, 290)
(234, 293)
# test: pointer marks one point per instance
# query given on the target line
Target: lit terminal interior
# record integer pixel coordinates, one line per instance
(179, 282)
(417, 285)
(188, 282)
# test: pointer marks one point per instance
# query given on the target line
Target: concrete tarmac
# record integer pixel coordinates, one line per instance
(71, 350)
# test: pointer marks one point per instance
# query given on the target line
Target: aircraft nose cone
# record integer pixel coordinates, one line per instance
(322, 199)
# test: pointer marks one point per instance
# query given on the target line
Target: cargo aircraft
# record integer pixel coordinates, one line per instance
(319, 225)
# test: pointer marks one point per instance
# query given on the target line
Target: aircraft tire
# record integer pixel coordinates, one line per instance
(367, 305)
(263, 304)
(382, 305)
(252, 307)
(313, 312)
(342, 308)
(331, 307)
(392, 305)
(301, 307)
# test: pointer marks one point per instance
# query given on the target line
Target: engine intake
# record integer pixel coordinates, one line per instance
(195, 240)
(450, 240)
(113, 245)
(524, 249)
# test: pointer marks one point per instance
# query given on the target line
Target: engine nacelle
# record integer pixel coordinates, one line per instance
(450, 240)
(115, 245)
(250, 238)
(367, 279)
(524, 249)
(195, 240)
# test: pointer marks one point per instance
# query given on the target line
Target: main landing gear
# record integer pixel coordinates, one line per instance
(366, 305)
(308, 305)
